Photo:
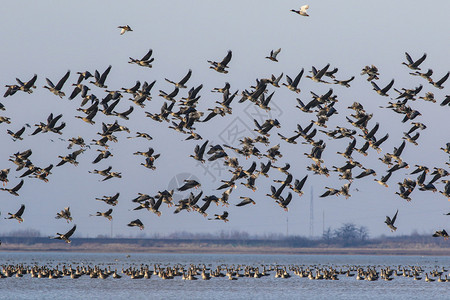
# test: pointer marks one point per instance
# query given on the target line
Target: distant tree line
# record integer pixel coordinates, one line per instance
(347, 235)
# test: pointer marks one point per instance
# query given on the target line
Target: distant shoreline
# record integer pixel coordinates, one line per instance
(192, 248)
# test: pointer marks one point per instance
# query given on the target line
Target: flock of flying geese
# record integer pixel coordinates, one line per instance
(182, 115)
(230, 272)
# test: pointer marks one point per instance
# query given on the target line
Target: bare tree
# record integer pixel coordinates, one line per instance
(349, 234)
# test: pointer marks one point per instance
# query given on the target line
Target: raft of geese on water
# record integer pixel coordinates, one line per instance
(230, 272)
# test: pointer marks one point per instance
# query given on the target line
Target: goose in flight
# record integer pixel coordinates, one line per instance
(71, 158)
(124, 115)
(292, 84)
(14, 190)
(136, 223)
(426, 75)
(18, 214)
(199, 152)
(276, 193)
(275, 80)
(104, 172)
(222, 217)
(317, 75)
(83, 76)
(169, 96)
(384, 179)
(390, 222)
(384, 90)
(64, 214)
(7, 120)
(181, 84)
(106, 214)
(298, 185)
(100, 79)
(66, 236)
(404, 193)
(283, 203)
(329, 192)
(12, 89)
(439, 83)
(222, 90)
(111, 200)
(189, 184)
(344, 82)
(124, 28)
(245, 201)
(371, 71)
(27, 86)
(144, 61)
(141, 135)
(221, 66)
(57, 89)
(442, 233)
(16, 135)
(273, 55)
(103, 155)
(413, 65)
(365, 173)
(302, 10)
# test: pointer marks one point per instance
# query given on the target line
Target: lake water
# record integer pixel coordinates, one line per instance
(267, 287)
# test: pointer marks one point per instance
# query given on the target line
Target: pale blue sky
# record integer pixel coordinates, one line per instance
(50, 37)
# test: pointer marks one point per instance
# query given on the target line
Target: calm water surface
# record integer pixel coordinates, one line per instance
(244, 288)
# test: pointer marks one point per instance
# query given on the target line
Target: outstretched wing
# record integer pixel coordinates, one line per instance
(62, 81)
(147, 56)
(20, 211)
(70, 232)
(105, 74)
(226, 59)
(17, 187)
(395, 217)
(297, 79)
(408, 57)
(388, 87)
(186, 78)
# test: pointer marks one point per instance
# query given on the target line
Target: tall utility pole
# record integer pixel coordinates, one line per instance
(287, 226)
(311, 215)
(323, 222)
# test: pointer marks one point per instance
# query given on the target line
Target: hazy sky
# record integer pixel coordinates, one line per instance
(48, 38)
